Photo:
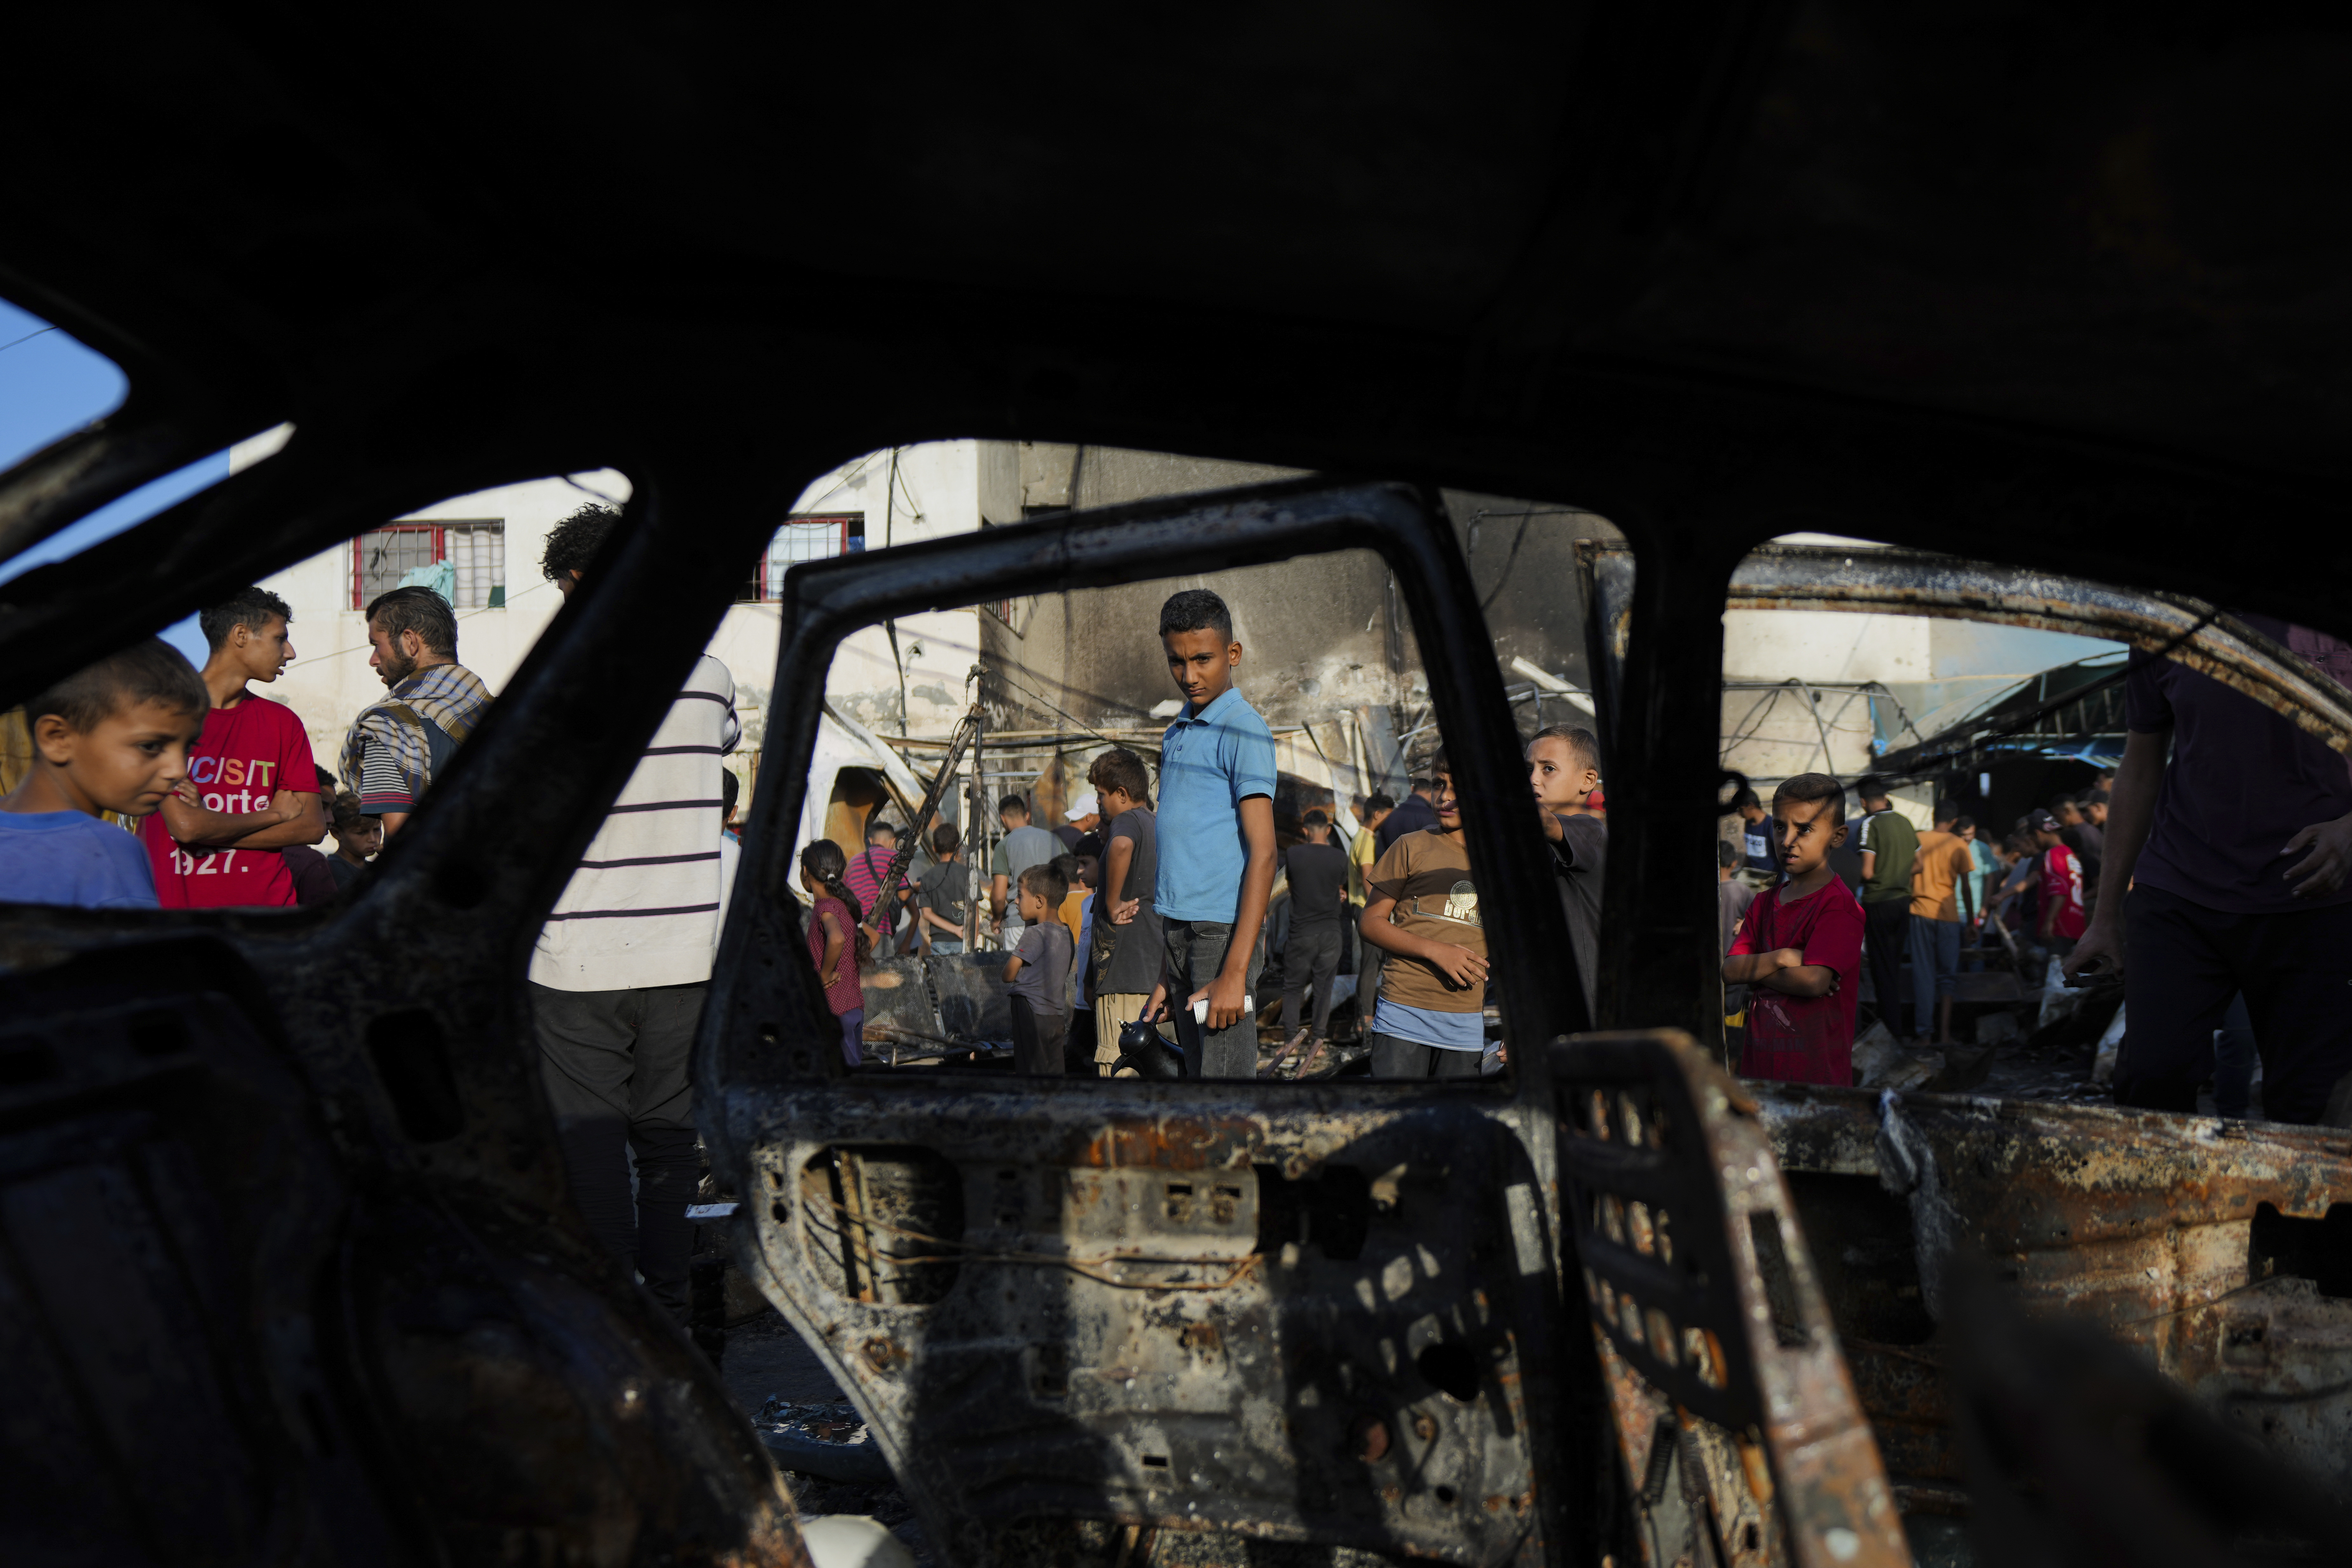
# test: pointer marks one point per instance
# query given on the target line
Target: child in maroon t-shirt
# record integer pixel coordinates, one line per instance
(1799, 947)
(837, 945)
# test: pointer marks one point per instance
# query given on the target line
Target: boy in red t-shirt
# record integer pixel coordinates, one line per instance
(1799, 947)
(2063, 919)
(251, 788)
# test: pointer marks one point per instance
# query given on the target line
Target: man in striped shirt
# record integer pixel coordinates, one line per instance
(623, 964)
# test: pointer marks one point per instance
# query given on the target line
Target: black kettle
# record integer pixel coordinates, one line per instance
(1144, 1048)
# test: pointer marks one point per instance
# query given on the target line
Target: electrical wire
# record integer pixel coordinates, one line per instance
(965, 1252)
(1743, 732)
(1756, 716)
(1066, 717)
(2209, 1301)
(1897, 765)
(461, 615)
(899, 476)
(1516, 539)
(590, 490)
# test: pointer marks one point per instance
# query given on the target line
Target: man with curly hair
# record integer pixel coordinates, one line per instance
(623, 964)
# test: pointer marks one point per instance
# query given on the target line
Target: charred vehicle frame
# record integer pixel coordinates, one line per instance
(287, 1266)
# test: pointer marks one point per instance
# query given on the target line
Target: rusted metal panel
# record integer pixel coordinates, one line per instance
(1174, 1142)
(898, 1004)
(2079, 1450)
(2204, 1244)
(1294, 1322)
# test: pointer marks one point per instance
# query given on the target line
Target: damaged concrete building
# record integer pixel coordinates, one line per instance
(1331, 660)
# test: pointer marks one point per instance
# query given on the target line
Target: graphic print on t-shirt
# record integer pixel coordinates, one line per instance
(245, 757)
(1457, 905)
(1428, 876)
(2062, 890)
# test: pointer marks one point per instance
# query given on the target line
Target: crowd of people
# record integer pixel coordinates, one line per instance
(241, 805)
(1102, 921)
(224, 807)
(1808, 901)
(2209, 873)
(2227, 885)
(1929, 898)
(1166, 904)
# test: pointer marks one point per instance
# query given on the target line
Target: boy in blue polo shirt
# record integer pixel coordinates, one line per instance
(1215, 841)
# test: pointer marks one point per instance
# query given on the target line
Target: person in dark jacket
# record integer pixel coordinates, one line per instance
(1419, 811)
(1564, 767)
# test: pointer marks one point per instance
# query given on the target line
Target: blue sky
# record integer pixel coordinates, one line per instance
(51, 385)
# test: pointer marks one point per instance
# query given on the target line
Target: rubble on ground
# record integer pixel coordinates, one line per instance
(815, 1435)
(827, 1438)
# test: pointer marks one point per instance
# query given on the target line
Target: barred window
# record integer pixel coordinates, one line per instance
(804, 538)
(383, 556)
(472, 552)
(479, 552)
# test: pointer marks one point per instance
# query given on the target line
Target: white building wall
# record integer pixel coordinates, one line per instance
(1825, 646)
(1935, 669)
(935, 492)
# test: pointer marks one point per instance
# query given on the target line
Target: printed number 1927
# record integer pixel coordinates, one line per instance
(211, 863)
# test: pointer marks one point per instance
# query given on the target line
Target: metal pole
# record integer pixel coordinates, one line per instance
(897, 875)
(975, 813)
(980, 815)
(975, 846)
(1813, 704)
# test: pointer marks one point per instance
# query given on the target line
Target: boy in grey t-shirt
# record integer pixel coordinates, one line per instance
(1038, 976)
(1021, 846)
(1128, 948)
(940, 893)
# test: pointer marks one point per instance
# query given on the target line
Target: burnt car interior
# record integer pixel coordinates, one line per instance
(287, 1266)
(1260, 1306)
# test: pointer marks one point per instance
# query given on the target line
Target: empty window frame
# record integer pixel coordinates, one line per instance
(473, 552)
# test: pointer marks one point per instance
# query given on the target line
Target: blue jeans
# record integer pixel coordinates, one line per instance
(1196, 952)
(1393, 1058)
(1935, 968)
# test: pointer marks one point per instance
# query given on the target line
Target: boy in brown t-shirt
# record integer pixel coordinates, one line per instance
(1430, 1020)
